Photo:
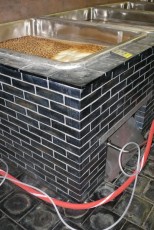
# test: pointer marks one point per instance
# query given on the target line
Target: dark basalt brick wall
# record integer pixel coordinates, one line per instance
(55, 130)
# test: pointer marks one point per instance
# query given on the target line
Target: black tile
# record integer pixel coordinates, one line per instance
(30, 135)
(66, 145)
(23, 86)
(10, 125)
(6, 224)
(146, 53)
(118, 87)
(72, 123)
(11, 137)
(40, 133)
(101, 81)
(66, 129)
(35, 80)
(90, 98)
(6, 96)
(126, 74)
(3, 115)
(15, 107)
(74, 92)
(2, 102)
(52, 132)
(71, 102)
(30, 148)
(100, 118)
(100, 101)
(12, 72)
(102, 218)
(41, 217)
(18, 123)
(20, 136)
(37, 117)
(13, 90)
(138, 210)
(130, 226)
(26, 104)
(61, 226)
(49, 94)
(53, 147)
(65, 110)
(28, 120)
(36, 99)
(140, 65)
(17, 204)
(5, 79)
(149, 224)
(3, 127)
(6, 189)
(134, 60)
(110, 84)
(133, 77)
(53, 161)
(7, 111)
(51, 114)
(145, 69)
(119, 69)
(66, 161)
(149, 191)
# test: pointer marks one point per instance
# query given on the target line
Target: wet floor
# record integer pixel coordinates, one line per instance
(21, 211)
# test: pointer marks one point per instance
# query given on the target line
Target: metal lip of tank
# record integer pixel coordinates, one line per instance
(66, 30)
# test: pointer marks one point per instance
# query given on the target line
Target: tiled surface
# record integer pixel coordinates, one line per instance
(56, 124)
(20, 211)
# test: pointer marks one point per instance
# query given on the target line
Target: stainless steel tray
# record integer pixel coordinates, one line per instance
(133, 6)
(68, 31)
(105, 15)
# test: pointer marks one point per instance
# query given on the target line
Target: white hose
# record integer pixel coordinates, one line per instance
(101, 203)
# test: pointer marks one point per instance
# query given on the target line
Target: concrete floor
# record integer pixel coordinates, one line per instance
(19, 210)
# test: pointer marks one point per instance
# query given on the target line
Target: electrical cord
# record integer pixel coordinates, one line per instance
(38, 193)
(54, 205)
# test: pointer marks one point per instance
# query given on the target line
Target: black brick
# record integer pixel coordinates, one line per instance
(36, 99)
(51, 131)
(66, 146)
(40, 133)
(3, 115)
(127, 73)
(15, 107)
(65, 89)
(10, 125)
(30, 135)
(2, 102)
(13, 90)
(6, 96)
(12, 72)
(54, 147)
(18, 123)
(65, 110)
(37, 117)
(49, 94)
(35, 80)
(28, 120)
(65, 129)
(11, 137)
(26, 104)
(51, 114)
(118, 87)
(20, 136)
(100, 101)
(23, 86)
(5, 79)
(7, 111)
